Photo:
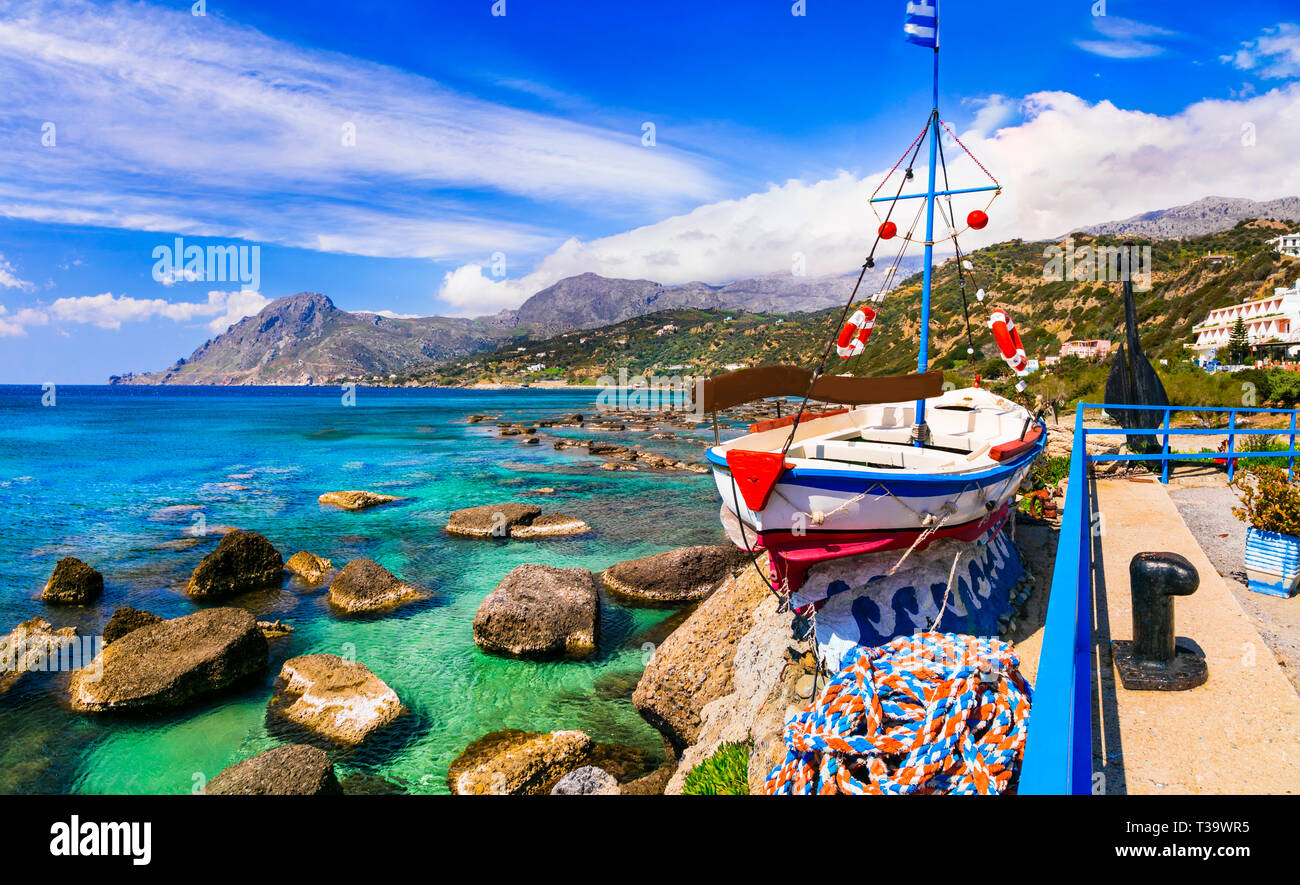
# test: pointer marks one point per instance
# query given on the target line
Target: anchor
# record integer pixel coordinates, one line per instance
(1153, 661)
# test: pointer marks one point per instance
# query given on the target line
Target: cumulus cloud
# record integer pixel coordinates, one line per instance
(109, 311)
(9, 276)
(1275, 54)
(264, 135)
(1067, 164)
(1124, 38)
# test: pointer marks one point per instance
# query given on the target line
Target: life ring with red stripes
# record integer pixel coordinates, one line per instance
(854, 335)
(1008, 339)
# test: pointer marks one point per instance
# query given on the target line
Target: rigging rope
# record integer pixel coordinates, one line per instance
(928, 713)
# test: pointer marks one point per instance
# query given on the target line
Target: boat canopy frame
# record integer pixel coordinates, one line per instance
(762, 382)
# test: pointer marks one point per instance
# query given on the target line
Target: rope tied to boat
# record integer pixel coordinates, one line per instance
(932, 713)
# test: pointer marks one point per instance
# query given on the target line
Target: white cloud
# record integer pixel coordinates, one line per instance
(9, 277)
(109, 311)
(1275, 54)
(253, 143)
(1068, 164)
(1124, 38)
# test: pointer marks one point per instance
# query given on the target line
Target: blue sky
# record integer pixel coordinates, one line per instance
(520, 139)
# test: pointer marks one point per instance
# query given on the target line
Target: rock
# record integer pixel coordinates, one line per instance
(171, 663)
(72, 583)
(297, 770)
(531, 441)
(544, 490)
(31, 646)
(693, 666)
(539, 611)
(683, 575)
(652, 784)
(366, 586)
(308, 566)
(363, 783)
(242, 562)
(126, 619)
(274, 629)
(586, 781)
(491, 520)
(333, 698)
(517, 763)
(550, 525)
(356, 499)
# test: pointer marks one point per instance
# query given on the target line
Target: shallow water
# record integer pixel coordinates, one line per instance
(92, 475)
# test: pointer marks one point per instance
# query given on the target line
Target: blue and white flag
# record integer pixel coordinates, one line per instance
(922, 26)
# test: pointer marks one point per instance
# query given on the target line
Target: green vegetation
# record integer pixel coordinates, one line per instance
(1238, 343)
(725, 773)
(1270, 501)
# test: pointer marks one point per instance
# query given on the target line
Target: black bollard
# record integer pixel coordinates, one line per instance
(1153, 661)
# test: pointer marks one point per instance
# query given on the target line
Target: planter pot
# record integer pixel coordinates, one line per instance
(1272, 562)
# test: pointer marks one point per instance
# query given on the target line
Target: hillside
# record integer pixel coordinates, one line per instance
(1208, 215)
(1184, 288)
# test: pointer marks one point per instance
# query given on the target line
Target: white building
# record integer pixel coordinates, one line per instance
(1273, 319)
(1287, 244)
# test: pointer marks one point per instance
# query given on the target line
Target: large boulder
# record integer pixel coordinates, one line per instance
(356, 499)
(693, 666)
(541, 612)
(336, 699)
(365, 586)
(242, 562)
(31, 646)
(297, 770)
(126, 619)
(517, 763)
(72, 583)
(171, 663)
(308, 566)
(586, 781)
(491, 520)
(684, 575)
(550, 525)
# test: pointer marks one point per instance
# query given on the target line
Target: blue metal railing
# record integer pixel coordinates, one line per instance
(1058, 753)
(1165, 431)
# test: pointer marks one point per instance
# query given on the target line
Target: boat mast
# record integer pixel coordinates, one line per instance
(921, 433)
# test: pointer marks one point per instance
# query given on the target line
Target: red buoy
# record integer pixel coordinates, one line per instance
(888, 230)
(977, 219)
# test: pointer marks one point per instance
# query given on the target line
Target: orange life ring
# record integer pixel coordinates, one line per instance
(854, 335)
(1008, 339)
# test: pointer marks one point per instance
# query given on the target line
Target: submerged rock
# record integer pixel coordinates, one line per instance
(517, 763)
(31, 646)
(366, 586)
(171, 663)
(539, 611)
(242, 562)
(308, 566)
(72, 583)
(356, 499)
(684, 575)
(297, 770)
(491, 520)
(334, 698)
(586, 781)
(126, 619)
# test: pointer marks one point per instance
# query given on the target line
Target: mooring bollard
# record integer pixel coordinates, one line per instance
(1153, 661)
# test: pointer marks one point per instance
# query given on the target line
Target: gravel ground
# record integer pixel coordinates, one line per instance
(1206, 507)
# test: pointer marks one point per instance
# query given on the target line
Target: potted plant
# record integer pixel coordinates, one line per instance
(1270, 504)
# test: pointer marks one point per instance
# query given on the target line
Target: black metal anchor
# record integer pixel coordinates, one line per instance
(1153, 661)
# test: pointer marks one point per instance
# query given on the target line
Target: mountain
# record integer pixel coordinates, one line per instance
(1208, 215)
(304, 339)
(1185, 286)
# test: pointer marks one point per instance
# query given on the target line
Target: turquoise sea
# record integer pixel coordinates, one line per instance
(90, 476)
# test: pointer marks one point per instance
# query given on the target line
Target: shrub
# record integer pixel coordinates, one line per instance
(1270, 502)
(724, 773)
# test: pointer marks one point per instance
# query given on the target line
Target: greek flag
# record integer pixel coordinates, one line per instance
(922, 26)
